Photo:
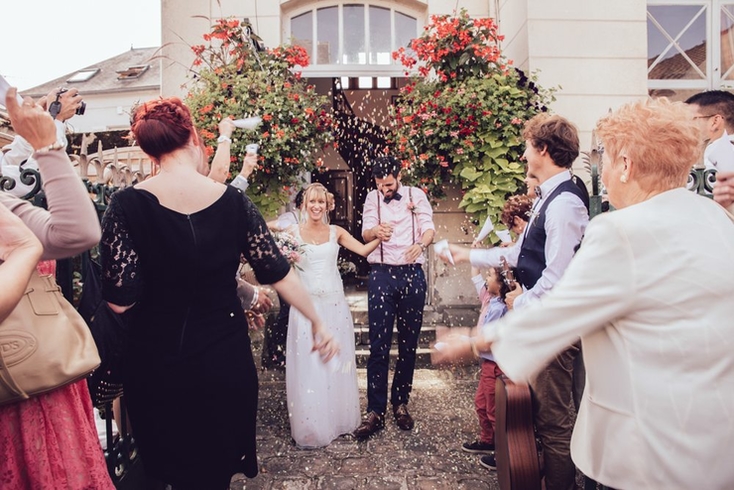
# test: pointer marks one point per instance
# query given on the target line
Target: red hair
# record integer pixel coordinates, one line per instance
(161, 126)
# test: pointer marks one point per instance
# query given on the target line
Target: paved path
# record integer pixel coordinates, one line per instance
(428, 457)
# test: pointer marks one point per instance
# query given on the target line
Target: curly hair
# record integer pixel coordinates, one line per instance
(161, 126)
(659, 136)
(557, 135)
(518, 205)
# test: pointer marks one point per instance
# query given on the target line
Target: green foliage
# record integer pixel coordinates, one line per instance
(461, 119)
(232, 79)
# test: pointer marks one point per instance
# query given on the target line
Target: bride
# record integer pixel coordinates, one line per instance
(323, 399)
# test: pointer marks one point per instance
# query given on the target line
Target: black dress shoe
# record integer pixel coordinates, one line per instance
(402, 417)
(371, 424)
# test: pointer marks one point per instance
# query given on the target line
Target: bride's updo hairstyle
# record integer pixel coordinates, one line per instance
(162, 126)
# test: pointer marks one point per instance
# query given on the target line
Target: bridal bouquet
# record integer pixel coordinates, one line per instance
(289, 247)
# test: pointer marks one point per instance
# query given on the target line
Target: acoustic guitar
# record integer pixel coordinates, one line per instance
(516, 452)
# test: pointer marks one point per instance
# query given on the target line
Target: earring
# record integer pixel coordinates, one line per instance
(623, 178)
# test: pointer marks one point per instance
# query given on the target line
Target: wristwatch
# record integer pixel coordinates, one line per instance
(224, 138)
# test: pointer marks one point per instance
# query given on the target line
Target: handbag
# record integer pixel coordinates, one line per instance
(108, 331)
(44, 343)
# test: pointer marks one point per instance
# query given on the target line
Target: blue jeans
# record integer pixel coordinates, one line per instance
(394, 291)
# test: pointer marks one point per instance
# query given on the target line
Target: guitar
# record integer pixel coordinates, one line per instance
(516, 453)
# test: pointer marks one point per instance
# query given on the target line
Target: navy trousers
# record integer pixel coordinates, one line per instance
(395, 292)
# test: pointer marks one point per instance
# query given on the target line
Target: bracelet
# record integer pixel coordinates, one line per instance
(473, 343)
(53, 147)
(255, 297)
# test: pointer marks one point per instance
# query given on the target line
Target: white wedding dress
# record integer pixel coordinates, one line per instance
(323, 399)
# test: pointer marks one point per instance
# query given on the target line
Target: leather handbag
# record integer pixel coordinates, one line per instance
(44, 343)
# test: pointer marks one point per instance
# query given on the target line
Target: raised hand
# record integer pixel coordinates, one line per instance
(30, 120)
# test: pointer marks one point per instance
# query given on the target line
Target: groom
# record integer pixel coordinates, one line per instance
(402, 218)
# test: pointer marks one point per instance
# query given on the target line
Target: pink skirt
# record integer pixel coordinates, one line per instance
(50, 441)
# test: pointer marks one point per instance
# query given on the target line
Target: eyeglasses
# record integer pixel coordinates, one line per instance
(705, 117)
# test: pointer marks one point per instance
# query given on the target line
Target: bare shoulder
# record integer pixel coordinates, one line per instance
(340, 232)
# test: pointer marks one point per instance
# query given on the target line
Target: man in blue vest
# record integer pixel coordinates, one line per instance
(540, 256)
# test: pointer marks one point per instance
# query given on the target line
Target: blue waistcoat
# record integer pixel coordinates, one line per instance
(531, 263)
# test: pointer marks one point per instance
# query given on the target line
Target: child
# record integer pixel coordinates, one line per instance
(491, 293)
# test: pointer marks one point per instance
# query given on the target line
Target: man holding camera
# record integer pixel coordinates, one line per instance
(62, 104)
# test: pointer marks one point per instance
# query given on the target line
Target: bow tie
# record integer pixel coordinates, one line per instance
(395, 196)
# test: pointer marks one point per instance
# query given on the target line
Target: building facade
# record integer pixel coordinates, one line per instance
(597, 54)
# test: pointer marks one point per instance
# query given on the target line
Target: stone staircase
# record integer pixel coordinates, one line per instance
(432, 320)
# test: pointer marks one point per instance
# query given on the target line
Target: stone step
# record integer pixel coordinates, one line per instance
(422, 359)
(362, 335)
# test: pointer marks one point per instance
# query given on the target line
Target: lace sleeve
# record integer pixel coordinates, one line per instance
(260, 249)
(120, 275)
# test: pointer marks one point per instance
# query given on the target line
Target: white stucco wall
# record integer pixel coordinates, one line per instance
(595, 54)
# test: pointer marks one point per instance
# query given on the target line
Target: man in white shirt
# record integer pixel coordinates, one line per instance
(540, 256)
(714, 111)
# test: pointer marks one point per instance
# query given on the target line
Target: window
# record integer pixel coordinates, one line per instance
(352, 33)
(369, 83)
(83, 75)
(690, 46)
(132, 72)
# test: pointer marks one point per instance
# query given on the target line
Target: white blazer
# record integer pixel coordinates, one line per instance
(651, 294)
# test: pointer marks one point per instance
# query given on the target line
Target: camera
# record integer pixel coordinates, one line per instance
(55, 107)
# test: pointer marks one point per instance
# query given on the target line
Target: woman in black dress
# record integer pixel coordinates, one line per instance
(170, 249)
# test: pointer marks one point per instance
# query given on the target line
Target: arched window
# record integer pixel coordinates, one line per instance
(690, 46)
(352, 33)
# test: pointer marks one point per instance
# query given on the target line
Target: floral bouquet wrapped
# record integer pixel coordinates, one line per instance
(289, 247)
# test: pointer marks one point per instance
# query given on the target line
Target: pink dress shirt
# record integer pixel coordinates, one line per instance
(398, 213)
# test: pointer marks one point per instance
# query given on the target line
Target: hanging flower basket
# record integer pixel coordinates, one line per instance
(460, 119)
(234, 78)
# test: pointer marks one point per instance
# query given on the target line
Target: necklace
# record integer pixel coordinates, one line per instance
(312, 240)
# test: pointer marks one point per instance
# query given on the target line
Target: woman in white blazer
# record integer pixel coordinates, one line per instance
(651, 295)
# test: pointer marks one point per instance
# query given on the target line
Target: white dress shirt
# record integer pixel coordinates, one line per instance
(566, 218)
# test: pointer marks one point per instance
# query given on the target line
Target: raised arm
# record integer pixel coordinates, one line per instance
(222, 157)
(70, 225)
